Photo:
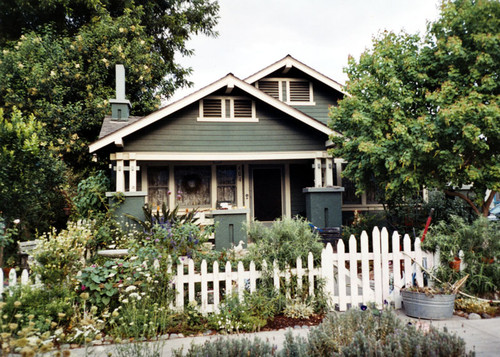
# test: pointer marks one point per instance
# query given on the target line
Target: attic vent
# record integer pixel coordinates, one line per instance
(212, 108)
(299, 91)
(227, 109)
(242, 108)
(271, 88)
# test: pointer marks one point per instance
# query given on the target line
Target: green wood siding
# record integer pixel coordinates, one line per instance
(181, 132)
(324, 97)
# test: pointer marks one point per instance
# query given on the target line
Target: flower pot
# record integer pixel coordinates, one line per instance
(426, 306)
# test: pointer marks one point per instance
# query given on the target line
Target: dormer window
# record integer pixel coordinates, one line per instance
(227, 109)
(288, 90)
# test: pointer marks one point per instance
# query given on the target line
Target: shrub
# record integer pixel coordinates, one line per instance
(225, 347)
(370, 333)
(60, 256)
(284, 242)
(480, 243)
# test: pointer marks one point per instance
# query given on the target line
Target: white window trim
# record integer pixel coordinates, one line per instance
(230, 119)
(287, 83)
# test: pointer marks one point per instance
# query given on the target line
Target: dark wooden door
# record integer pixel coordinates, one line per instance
(267, 194)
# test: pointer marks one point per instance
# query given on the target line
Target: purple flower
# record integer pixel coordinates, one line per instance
(363, 307)
(157, 240)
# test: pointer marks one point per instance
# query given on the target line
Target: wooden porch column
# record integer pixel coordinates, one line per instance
(132, 176)
(120, 176)
(318, 179)
(329, 172)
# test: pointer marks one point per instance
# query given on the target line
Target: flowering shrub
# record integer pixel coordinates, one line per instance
(62, 255)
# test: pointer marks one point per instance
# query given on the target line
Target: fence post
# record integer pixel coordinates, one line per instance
(365, 267)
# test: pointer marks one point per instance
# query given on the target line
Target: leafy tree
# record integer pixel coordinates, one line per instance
(31, 175)
(425, 111)
(58, 61)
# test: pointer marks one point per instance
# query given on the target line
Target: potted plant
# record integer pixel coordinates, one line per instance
(433, 303)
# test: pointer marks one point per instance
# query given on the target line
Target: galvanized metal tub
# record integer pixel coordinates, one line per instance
(431, 307)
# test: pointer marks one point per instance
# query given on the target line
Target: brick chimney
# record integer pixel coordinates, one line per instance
(120, 107)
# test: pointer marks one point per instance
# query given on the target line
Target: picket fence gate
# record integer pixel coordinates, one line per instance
(358, 276)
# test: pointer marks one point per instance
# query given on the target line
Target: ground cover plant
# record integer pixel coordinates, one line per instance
(358, 332)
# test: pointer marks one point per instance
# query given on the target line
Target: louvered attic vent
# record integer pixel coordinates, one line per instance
(299, 91)
(212, 108)
(289, 90)
(227, 109)
(271, 88)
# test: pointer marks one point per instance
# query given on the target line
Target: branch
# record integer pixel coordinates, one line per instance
(487, 203)
(465, 198)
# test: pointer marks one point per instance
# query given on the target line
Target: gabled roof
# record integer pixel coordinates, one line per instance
(288, 62)
(228, 81)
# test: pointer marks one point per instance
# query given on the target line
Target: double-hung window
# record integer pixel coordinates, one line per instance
(227, 109)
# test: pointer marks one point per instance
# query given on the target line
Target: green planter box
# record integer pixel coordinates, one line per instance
(229, 227)
(324, 206)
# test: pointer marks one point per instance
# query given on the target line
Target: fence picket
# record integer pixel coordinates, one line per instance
(365, 267)
(377, 266)
(341, 278)
(353, 269)
(396, 269)
(385, 265)
(408, 268)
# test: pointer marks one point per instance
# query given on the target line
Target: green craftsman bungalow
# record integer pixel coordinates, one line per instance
(238, 150)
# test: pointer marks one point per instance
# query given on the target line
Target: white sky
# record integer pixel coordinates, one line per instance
(320, 33)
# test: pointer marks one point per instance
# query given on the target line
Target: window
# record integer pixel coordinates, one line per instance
(291, 91)
(192, 185)
(157, 186)
(237, 109)
(226, 184)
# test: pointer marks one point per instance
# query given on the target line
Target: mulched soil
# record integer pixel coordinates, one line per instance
(281, 321)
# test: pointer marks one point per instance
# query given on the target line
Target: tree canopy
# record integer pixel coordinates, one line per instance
(57, 68)
(424, 112)
(59, 64)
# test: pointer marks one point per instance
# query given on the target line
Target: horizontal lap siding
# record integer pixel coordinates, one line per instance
(324, 97)
(181, 132)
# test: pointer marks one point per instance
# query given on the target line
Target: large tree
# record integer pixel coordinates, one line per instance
(57, 68)
(57, 60)
(424, 112)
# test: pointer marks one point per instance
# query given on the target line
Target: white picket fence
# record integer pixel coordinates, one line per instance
(359, 276)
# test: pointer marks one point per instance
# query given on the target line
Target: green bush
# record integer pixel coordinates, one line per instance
(225, 347)
(284, 242)
(372, 333)
(59, 256)
(39, 305)
(480, 243)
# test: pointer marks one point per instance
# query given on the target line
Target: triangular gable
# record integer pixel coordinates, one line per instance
(229, 81)
(288, 62)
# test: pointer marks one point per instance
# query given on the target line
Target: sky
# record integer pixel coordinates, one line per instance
(320, 33)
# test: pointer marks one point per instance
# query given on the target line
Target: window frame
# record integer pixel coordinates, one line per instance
(232, 118)
(285, 97)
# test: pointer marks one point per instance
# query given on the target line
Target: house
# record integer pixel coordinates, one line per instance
(253, 149)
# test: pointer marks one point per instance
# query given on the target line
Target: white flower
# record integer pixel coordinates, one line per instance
(17, 221)
(130, 288)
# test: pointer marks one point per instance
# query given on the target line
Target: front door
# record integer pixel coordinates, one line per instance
(267, 202)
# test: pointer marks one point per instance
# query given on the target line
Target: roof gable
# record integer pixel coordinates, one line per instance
(229, 82)
(289, 62)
